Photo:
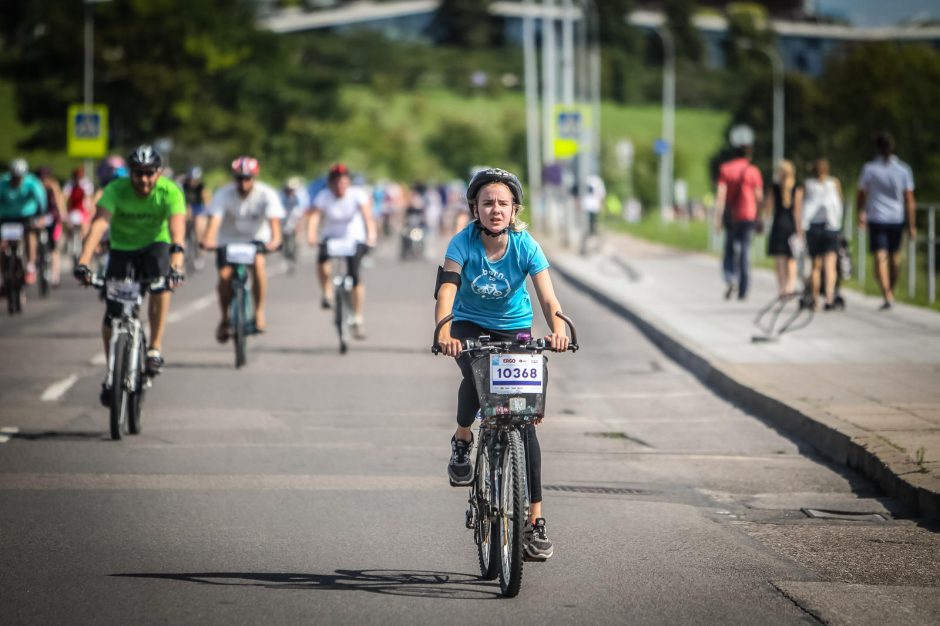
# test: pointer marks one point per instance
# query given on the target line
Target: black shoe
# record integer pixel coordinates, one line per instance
(154, 362)
(537, 545)
(326, 303)
(105, 396)
(886, 306)
(729, 292)
(460, 470)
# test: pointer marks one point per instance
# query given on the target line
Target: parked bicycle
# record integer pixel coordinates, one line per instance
(511, 378)
(128, 377)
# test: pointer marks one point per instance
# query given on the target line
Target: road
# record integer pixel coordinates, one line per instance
(311, 487)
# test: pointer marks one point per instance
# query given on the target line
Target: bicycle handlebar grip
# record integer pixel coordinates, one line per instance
(573, 346)
(435, 346)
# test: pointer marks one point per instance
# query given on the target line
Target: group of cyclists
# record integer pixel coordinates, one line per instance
(481, 283)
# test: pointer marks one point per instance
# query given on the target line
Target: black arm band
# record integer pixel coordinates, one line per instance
(444, 276)
(175, 247)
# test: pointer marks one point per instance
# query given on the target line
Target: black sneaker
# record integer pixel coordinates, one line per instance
(460, 470)
(536, 544)
(105, 396)
(326, 303)
(154, 362)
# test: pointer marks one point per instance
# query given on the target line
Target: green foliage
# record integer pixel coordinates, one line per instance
(679, 15)
(464, 24)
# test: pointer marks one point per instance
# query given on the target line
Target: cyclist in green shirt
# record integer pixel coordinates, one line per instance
(147, 218)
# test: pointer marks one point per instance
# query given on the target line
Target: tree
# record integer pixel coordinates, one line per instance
(464, 24)
(679, 14)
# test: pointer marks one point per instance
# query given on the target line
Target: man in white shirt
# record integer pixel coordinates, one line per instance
(243, 211)
(593, 200)
(886, 202)
(342, 211)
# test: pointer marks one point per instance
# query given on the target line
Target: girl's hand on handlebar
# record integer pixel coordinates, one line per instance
(557, 342)
(449, 345)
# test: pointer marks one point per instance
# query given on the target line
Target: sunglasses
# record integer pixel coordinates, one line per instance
(143, 173)
(239, 177)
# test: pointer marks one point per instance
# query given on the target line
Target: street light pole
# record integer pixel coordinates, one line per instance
(532, 114)
(776, 64)
(667, 158)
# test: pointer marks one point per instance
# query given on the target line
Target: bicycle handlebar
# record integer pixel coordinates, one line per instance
(260, 245)
(486, 344)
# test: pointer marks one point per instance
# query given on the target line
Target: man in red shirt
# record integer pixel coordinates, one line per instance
(740, 192)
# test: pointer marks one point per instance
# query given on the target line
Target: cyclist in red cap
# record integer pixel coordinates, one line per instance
(245, 210)
(342, 211)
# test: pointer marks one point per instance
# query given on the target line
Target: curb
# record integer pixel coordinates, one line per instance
(892, 475)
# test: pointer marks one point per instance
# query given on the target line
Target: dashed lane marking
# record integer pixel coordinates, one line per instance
(6, 432)
(192, 307)
(56, 390)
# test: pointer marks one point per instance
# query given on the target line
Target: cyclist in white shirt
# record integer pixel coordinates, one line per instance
(245, 210)
(342, 211)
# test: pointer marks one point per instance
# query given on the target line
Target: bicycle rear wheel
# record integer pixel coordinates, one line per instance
(342, 313)
(119, 395)
(42, 269)
(486, 532)
(513, 514)
(238, 326)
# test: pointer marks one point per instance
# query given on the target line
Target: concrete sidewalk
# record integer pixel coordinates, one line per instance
(861, 386)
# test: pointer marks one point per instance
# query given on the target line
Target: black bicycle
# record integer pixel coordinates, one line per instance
(241, 256)
(13, 238)
(128, 377)
(511, 378)
(340, 251)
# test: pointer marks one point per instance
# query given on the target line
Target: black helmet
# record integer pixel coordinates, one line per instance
(494, 175)
(144, 156)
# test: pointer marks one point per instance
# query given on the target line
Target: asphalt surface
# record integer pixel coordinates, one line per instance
(311, 487)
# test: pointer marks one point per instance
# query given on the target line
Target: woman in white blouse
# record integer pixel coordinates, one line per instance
(822, 223)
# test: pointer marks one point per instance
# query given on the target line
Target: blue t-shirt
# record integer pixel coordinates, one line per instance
(492, 293)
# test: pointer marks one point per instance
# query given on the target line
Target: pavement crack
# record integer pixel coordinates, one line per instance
(817, 619)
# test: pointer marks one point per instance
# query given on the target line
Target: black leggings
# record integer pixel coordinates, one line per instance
(468, 403)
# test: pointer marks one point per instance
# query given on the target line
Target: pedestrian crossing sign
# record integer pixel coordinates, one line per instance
(87, 131)
(570, 121)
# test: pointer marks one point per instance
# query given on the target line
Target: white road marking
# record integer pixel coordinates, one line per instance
(4, 438)
(9, 430)
(188, 482)
(56, 390)
(99, 359)
(192, 307)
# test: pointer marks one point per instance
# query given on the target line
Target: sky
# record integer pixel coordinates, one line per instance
(879, 12)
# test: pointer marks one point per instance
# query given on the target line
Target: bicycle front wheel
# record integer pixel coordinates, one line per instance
(513, 514)
(119, 395)
(136, 399)
(486, 532)
(237, 322)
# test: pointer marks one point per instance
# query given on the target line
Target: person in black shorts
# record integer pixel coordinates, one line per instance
(783, 203)
(886, 193)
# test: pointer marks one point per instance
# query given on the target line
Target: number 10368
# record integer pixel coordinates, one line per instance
(516, 373)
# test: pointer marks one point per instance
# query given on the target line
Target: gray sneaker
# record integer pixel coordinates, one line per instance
(536, 544)
(460, 470)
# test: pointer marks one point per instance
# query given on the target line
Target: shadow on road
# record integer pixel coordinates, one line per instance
(59, 435)
(355, 347)
(446, 585)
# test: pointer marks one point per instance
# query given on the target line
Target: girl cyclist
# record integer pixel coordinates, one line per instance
(483, 284)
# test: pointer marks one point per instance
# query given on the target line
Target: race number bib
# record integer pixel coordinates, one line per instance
(123, 291)
(241, 253)
(11, 232)
(341, 247)
(516, 373)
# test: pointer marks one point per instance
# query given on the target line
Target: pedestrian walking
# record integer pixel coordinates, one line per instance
(592, 200)
(740, 190)
(822, 223)
(886, 203)
(785, 229)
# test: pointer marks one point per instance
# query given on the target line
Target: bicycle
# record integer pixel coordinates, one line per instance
(511, 379)
(241, 256)
(43, 250)
(12, 234)
(128, 377)
(339, 252)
